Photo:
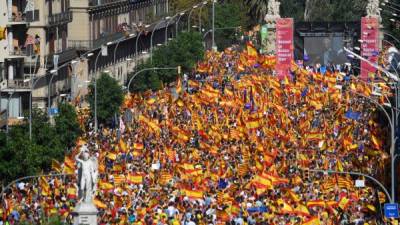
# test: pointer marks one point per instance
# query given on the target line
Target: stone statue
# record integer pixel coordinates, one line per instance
(87, 175)
(273, 8)
(272, 11)
(373, 8)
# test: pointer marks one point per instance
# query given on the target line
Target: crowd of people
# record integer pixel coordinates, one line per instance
(230, 144)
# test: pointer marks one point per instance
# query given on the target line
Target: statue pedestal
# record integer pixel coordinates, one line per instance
(85, 214)
(271, 41)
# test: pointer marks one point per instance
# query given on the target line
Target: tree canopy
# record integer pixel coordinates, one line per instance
(109, 97)
(184, 51)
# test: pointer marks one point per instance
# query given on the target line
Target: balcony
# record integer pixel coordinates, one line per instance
(59, 18)
(17, 85)
(19, 17)
(88, 45)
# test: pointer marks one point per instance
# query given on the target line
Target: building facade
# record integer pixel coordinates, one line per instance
(36, 34)
(44, 36)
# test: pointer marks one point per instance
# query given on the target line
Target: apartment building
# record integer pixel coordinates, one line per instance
(98, 22)
(36, 42)
(43, 36)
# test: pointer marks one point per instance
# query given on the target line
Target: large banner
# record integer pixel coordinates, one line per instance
(284, 46)
(369, 44)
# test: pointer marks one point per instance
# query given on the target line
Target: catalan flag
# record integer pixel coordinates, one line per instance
(312, 221)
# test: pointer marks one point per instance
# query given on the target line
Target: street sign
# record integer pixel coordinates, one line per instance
(391, 210)
(53, 111)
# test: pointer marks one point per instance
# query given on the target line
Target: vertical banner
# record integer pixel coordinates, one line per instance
(369, 44)
(264, 38)
(284, 46)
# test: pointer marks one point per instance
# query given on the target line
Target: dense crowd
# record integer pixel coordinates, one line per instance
(230, 144)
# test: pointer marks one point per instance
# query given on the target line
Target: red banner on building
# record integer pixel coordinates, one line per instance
(369, 44)
(284, 46)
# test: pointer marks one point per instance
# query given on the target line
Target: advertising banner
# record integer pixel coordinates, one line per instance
(284, 46)
(264, 38)
(369, 44)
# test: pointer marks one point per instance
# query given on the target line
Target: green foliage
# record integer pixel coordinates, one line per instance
(67, 126)
(22, 157)
(109, 97)
(184, 51)
(229, 15)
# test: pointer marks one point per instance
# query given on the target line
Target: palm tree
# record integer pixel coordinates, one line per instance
(257, 9)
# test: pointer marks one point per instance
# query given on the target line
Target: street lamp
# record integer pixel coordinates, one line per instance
(147, 69)
(137, 42)
(190, 13)
(8, 112)
(390, 75)
(95, 88)
(166, 28)
(33, 84)
(177, 23)
(53, 73)
(201, 8)
(151, 38)
(116, 47)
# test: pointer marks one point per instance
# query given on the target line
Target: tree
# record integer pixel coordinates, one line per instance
(109, 97)
(228, 15)
(67, 126)
(184, 51)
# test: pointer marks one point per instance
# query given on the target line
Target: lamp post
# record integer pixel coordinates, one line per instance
(201, 8)
(116, 47)
(95, 87)
(213, 25)
(147, 69)
(166, 28)
(392, 142)
(53, 73)
(137, 42)
(190, 13)
(177, 23)
(356, 174)
(33, 84)
(219, 28)
(151, 38)
(10, 94)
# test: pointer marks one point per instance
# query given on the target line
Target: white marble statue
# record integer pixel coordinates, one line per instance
(373, 8)
(87, 174)
(273, 8)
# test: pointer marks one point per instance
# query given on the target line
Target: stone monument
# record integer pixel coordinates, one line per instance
(85, 211)
(373, 11)
(270, 19)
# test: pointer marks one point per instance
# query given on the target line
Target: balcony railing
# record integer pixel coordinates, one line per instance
(59, 18)
(20, 17)
(17, 84)
(88, 45)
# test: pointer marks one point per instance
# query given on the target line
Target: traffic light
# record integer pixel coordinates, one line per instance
(179, 69)
(2, 33)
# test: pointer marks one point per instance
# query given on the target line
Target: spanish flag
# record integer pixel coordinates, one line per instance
(179, 86)
(301, 210)
(71, 193)
(193, 194)
(343, 203)
(134, 179)
(312, 221)
(122, 145)
(153, 125)
(138, 146)
(56, 166)
(251, 50)
(318, 203)
(105, 185)
(99, 204)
